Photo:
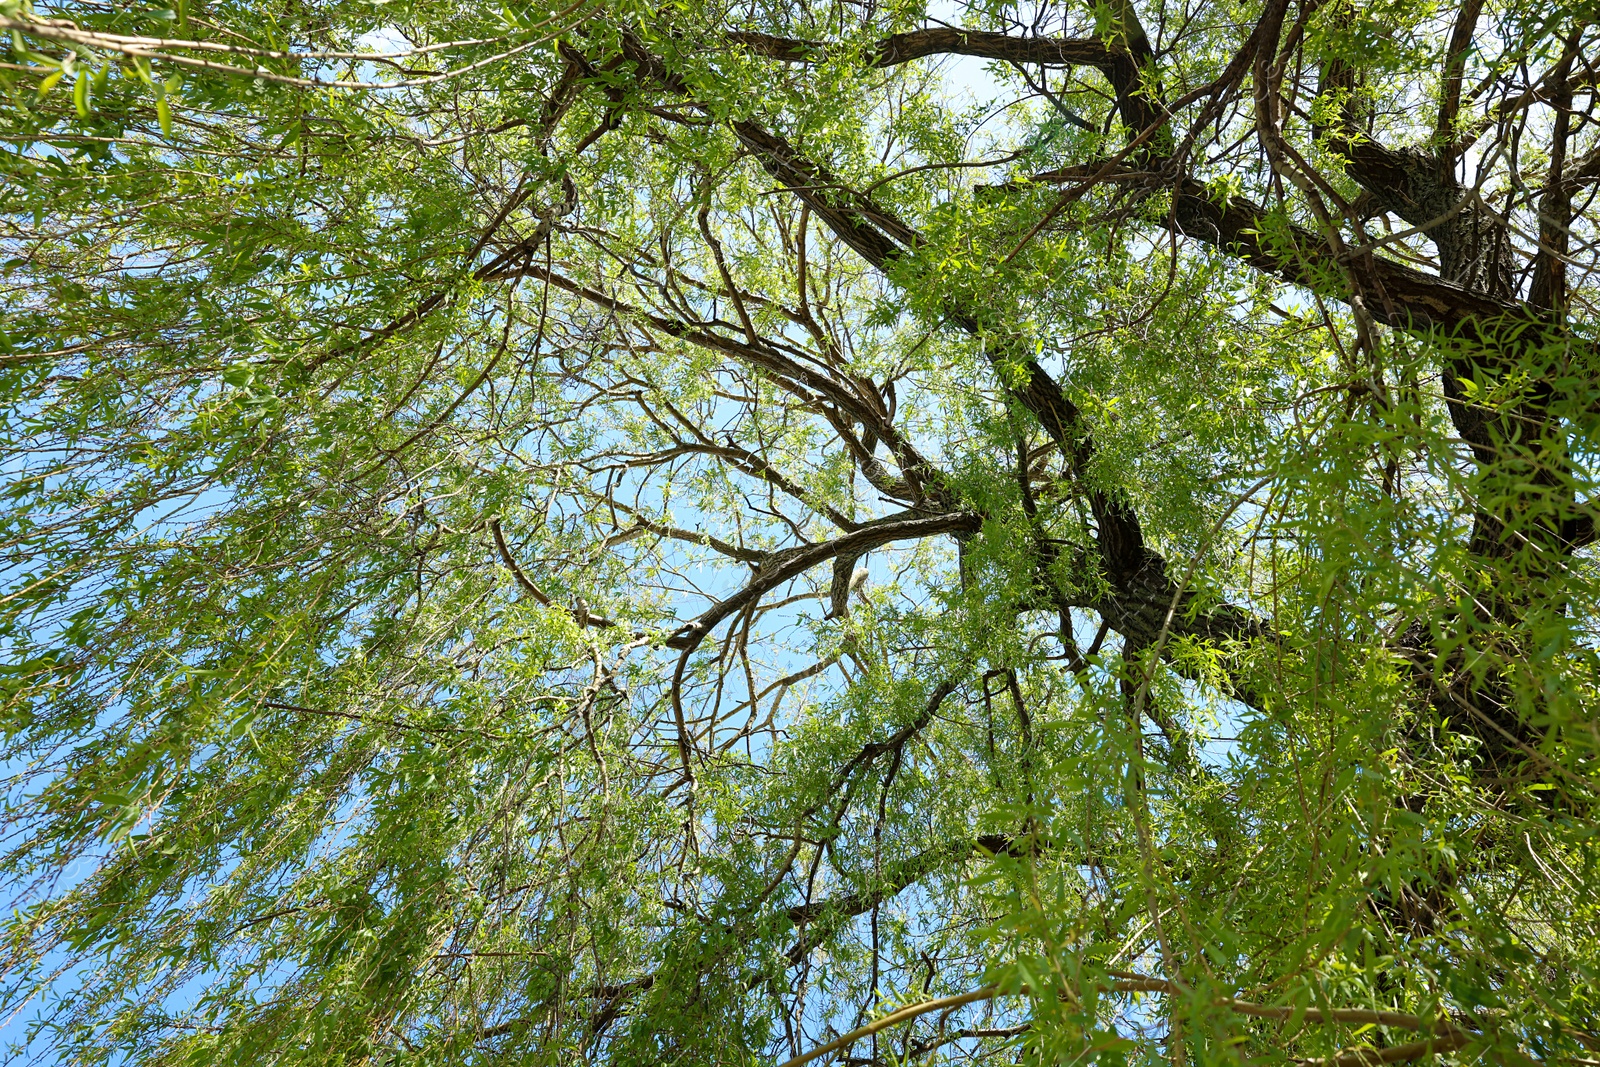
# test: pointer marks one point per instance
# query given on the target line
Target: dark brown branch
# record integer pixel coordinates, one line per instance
(917, 44)
(697, 537)
(783, 567)
(809, 385)
(1548, 290)
(1414, 1050)
(511, 564)
(790, 563)
(897, 877)
(853, 218)
(1121, 66)
(1455, 64)
(1244, 229)
(580, 615)
(896, 741)
(1141, 589)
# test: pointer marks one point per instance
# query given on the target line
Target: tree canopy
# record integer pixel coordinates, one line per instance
(793, 531)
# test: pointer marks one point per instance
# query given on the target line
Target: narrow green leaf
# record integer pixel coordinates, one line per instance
(48, 82)
(163, 110)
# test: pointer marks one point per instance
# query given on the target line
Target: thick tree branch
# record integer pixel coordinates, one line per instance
(916, 44)
(1455, 65)
(1122, 67)
(788, 564)
(1411, 299)
(785, 566)
(1141, 588)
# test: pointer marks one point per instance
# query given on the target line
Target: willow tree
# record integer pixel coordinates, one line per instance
(801, 531)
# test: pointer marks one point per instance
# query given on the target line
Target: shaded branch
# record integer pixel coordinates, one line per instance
(1121, 66)
(1410, 299)
(1141, 589)
(788, 564)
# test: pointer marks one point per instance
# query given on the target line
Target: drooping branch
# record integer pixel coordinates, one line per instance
(562, 95)
(905, 1014)
(823, 392)
(820, 919)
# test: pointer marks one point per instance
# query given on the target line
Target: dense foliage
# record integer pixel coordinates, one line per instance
(624, 534)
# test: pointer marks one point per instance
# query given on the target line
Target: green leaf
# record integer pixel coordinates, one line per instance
(163, 111)
(48, 82)
(80, 94)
